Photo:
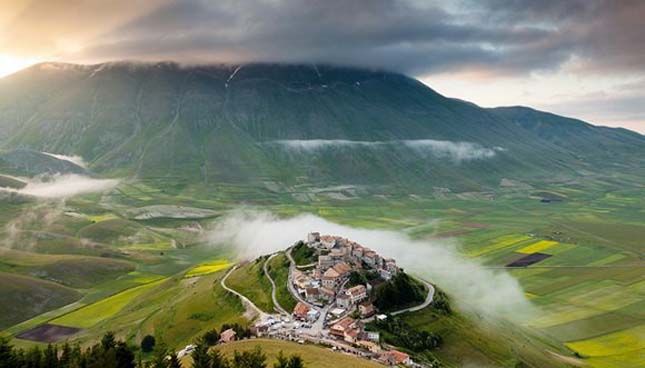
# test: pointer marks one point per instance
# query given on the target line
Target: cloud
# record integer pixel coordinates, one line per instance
(76, 160)
(456, 151)
(485, 291)
(63, 186)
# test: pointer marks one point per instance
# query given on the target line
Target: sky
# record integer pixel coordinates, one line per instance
(579, 58)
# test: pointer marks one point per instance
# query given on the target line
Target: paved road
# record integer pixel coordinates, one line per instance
(273, 287)
(292, 289)
(426, 303)
(246, 301)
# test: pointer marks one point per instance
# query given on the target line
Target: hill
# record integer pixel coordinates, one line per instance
(277, 126)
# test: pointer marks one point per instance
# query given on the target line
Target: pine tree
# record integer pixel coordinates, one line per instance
(201, 358)
(173, 362)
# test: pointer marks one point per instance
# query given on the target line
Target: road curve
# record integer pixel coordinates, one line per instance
(273, 287)
(426, 303)
(292, 289)
(246, 301)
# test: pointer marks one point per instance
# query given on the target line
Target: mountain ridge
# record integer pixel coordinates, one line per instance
(222, 122)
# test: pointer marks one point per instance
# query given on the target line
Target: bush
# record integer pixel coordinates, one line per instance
(400, 291)
(148, 343)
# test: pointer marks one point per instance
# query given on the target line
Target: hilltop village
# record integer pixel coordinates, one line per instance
(334, 305)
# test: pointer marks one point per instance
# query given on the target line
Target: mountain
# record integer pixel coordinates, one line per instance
(294, 125)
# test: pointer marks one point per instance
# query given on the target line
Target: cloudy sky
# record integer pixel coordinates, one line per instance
(582, 58)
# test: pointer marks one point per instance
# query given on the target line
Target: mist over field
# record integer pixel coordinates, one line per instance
(455, 151)
(77, 160)
(484, 291)
(63, 186)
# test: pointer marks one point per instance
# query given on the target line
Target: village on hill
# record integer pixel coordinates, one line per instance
(333, 308)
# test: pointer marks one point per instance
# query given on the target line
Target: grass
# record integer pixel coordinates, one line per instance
(208, 268)
(250, 281)
(24, 297)
(90, 315)
(314, 356)
(279, 271)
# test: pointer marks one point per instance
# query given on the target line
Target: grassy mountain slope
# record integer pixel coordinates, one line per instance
(220, 123)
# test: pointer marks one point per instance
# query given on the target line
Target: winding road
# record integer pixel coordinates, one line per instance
(426, 303)
(276, 303)
(246, 301)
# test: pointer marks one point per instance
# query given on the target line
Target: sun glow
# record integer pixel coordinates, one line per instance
(10, 64)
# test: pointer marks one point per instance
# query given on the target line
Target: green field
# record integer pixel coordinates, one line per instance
(279, 271)
(589, 292)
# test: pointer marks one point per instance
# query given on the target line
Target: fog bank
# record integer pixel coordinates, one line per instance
(455, 151)
(76, 160)
(63, 186)
(484, 291)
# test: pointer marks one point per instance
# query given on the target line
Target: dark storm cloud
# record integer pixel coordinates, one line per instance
(395, 35)
(499, 36)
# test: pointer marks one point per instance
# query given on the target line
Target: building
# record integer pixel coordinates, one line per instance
(370, 258)
(325, 262)
(300, 311)
(344, 301)
(313, 238)
(394, 357)
(369, 345)
(331, 278)
(312, 315)
(357, 293)
(326, 294)
(312, 294)
(338, 329)
(366, 310)
(227, 336)
(351, 335)
(373, 336)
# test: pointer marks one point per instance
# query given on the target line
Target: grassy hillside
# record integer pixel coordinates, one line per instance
(279, 270)
(24, 297)
(250, 280)
(313, 356)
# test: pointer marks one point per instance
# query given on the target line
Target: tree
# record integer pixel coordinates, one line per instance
(295, 361)
(7, 355)
(108, 341)
(201, 358)
(159, 359)
(281, 361)
(124, 355)
(148, 343)
(250, 359)
(50, 358)
(218, 360)
(173, 361)
(211, 337)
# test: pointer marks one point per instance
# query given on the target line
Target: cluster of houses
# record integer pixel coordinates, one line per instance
(337, 259)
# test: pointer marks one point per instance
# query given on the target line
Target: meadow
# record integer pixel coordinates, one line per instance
(590, 291)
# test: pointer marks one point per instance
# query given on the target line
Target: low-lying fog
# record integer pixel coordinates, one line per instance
(484, 291)
(63, 186)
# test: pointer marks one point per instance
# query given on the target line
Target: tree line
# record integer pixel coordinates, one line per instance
(113, 353)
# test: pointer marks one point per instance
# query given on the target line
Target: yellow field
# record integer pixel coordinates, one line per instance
(92, 314)
(104, 217)
(499, 243)
(616, 343)
(538, 247)
(208, 268)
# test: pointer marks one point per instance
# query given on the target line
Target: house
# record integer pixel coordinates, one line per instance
(369, 345)
(344, 301)
(313, 237)
(366, 310)
(338, 329)
(343, 269)
(328, 241)
(260, 330)
(331, 278)
(326, 294)
(312, 315)
(395, 357)
(227, 336)
(324, 262)
(300, 311)
(357, 293)
(357, 251)
(351, 335)
(373, 336)
(312, 294)
(370, 258)
(385, 274)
